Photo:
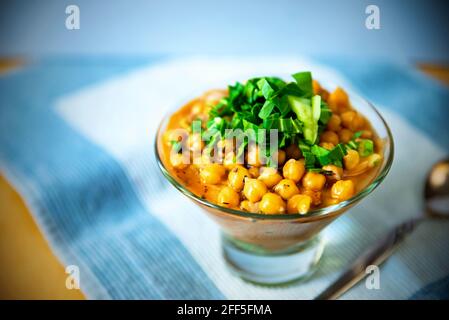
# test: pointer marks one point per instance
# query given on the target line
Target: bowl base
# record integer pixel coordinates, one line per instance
(272, 268)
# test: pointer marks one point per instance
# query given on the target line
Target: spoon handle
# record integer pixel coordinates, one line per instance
(375, 255)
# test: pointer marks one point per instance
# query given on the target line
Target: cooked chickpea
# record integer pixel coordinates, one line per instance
(271, 203)
(228, 198)
(334, 123)
(329, 136)
(313, 181)
(351, 159)
(293, 152)
(249, 206)
(342, 190)
(327, 145)
(212, 173)
(347, 118)
(270, 176)
(294, 169)
(286, 188)
(236, 177)
(254, 156)
(299, 203)
(338, 100)
(229, 161)
(195, 142)
(345, 135)
(314, 195)
(281, 156)
(337, 172)
(374, 160)
(367, 134)
(179, 161)
(254, 172)
(254, 189)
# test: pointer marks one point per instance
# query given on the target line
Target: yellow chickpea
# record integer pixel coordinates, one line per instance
(249, 206)
(327, 145)
(294, 169)
(314, 181)
(374, 160)
(270, 176)
(345, 135)
(179, 161)
(195, 142)
(236, 178)
(334, 123)
(254, 172)
(337, 172)
(286, 188)
(314, 195)
(228, 198)
(338, 100)
(212, 173)
(329, 136)
(271, 203)
(342, 190)
(351, 159)
(254, 189)
(299, 203)
(281, 156)
(254, 156)
(293, 152)
(347, 118)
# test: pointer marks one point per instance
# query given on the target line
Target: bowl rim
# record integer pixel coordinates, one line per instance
(316, 213)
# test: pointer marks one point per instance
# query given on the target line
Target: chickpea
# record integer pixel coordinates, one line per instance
(351, 159)
(212, 173)
(236, 178)
(329, 136)
(254, 156)
(345, 135)
(327, 145)
(338, 100)
(270, 176)
(254, 189)
(347, 118)
(352, 120)
(228, 198)
(271, 203)
(337, 172)
(249, 206)
(293, 152)
(179, 161)
(195, 142)
(286, 188)
(229, 161)
(374, 160)
(254, 172)
(280, 155)
(314, 181)
(334, 123)
(367, 134)
(294, 169)
(299, 203)
(314, 195)
(342, 190)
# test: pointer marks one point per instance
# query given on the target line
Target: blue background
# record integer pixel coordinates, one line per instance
(410, 30)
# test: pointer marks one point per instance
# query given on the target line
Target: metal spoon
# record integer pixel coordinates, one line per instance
(436, 199)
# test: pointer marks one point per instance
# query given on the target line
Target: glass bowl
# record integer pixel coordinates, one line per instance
(275, 249)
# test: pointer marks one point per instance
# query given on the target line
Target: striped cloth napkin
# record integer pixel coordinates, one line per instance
(76, 140)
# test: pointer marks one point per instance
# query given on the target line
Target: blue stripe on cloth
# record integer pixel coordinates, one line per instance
(394, 86)
(76, 189)
(438, 290)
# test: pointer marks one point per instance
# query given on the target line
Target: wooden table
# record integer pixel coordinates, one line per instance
(29, 270)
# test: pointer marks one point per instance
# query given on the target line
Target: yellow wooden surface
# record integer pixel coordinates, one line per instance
(28, 268)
